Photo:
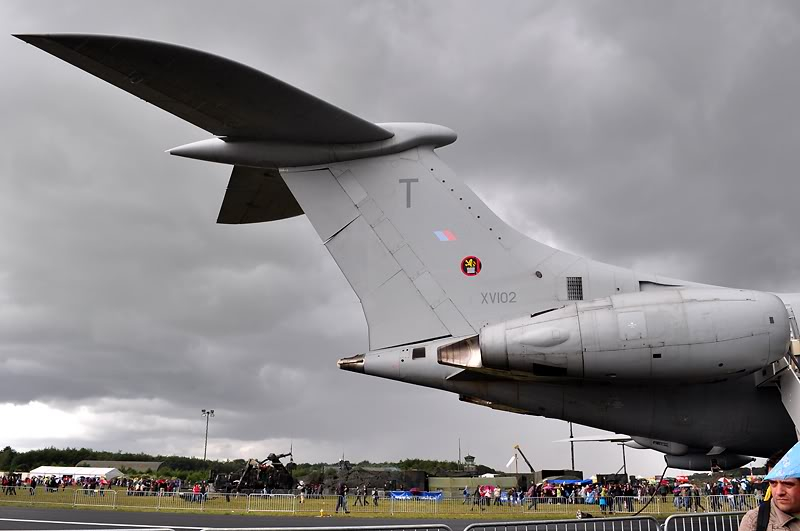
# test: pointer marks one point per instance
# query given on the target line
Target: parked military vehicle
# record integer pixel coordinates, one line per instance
(269, 475)
(380, 477)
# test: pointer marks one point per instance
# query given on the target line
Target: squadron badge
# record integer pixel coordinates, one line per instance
(471, 266)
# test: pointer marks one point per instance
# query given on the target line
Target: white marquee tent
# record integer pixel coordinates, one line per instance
(75, 471)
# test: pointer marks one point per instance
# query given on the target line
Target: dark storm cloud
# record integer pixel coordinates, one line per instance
(655, 135)
(680, 120)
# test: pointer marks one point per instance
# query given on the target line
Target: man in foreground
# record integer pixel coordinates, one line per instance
(782, 510)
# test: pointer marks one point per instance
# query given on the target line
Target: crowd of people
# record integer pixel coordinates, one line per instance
(613, 497)
(97, 486)
(603, 495)
(152, 487)
(10, 484)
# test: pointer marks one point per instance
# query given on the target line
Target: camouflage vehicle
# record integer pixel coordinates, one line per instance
(382, 478)
(269, 475)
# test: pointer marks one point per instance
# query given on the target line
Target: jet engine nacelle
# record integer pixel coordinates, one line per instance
(691, 334)
(725, 461)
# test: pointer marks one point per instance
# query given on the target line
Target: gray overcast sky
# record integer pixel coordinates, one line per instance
(657, 135)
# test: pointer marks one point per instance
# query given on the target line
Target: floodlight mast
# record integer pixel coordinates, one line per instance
(207, 413)
(571, 446)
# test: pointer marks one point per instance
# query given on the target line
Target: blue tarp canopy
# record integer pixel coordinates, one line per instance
(568, 481)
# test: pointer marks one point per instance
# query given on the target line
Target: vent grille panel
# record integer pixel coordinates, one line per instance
(575, 288)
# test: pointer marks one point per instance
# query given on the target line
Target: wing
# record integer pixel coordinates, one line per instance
(221, 96)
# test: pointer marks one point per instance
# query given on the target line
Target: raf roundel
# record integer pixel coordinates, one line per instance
(471, 266)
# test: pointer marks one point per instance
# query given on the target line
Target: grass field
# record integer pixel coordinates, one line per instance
(290, 505)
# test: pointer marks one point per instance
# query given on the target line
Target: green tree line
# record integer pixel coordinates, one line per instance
(187, 467)
(11, 460)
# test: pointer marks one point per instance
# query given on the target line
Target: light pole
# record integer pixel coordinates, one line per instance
(571, 446)
(207, 413)
(624, 463)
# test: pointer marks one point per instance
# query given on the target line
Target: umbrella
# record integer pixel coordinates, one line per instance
(682, 485)
(788, 467)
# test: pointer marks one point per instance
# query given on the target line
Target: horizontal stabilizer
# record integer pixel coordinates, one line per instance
(255, 195)
(221, 96)
(598, 438)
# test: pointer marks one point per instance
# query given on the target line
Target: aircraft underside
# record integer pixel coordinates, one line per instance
(732, 416)
(702, 398)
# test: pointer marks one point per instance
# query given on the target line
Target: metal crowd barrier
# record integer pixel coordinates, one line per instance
(318, 503)
(277, 503)
(291, 504)
(732, 503)
(727, 521)
(544, 505)
(70, 497)
(177, 501)
(39, 495)
(630, 505)
(444, 506)
(549, 505)
(161, 500)
(626, 523)
(716, 504)
(689, 503)
(95, 498)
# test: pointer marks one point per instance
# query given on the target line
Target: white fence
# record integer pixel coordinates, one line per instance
(291, 503)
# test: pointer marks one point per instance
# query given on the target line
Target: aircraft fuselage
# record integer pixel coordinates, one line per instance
(733, 414)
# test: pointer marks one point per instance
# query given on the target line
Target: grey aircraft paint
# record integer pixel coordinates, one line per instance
(454, 298)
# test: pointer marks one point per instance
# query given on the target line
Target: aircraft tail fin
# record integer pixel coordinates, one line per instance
(427, 258)
(425, 255)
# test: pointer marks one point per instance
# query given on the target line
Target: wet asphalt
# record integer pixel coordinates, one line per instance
(77, 519)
